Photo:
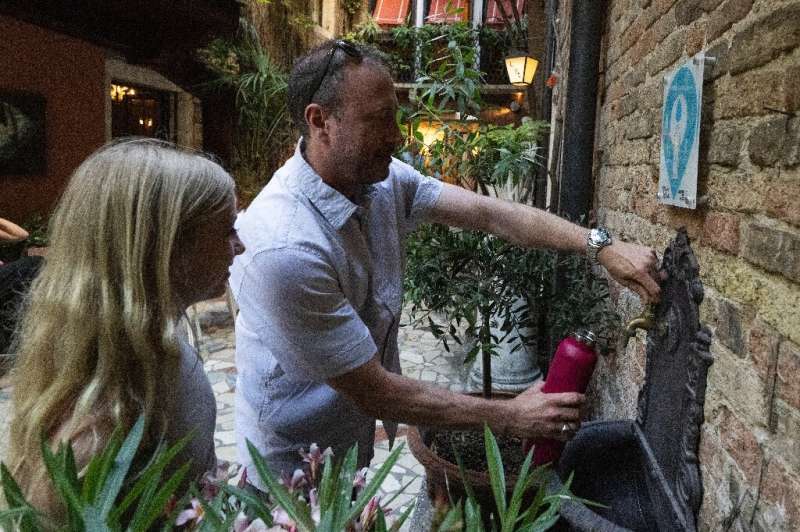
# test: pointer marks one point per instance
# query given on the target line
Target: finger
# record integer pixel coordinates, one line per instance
(649, 283)
(567, 415)
(567, 399)
(538, 386)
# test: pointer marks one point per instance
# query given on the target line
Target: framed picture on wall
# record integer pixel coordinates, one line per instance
(22, 133)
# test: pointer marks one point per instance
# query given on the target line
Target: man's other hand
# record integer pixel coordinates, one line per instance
(546, 415)
(635, 267)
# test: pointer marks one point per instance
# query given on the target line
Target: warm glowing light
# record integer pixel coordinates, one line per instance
(118, 92)
(431, 132)
(141, 121)
(521, 68)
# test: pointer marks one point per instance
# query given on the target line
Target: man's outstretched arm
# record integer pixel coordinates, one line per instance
(388, 396)
(631, 265)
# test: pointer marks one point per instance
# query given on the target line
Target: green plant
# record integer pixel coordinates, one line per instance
(264, 131)
(352, 7)
(93, 501)
(329, 495)
(110, 496)
(469, 284)
(36, 226)
(530, 508)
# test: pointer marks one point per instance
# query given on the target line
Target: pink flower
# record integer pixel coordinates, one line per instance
(297, 480)
(243, 524)
(313, 502)
(360, 480)
(280, 517)
(369, 513)
(193, 514)
(209, 484)
(315, 459)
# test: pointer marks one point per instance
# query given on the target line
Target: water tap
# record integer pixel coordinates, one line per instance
(646, 321)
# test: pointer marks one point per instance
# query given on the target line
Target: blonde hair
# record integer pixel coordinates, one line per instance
(97, 344)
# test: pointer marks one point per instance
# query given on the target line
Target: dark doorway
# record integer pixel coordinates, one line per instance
(142, 112)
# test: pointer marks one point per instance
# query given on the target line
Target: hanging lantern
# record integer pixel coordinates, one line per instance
(521, 68)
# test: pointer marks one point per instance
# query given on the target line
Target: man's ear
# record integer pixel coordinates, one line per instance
(317, 120)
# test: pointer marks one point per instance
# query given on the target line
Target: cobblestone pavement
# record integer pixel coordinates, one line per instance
(422, 357)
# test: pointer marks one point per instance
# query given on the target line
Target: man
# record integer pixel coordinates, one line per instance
(320, 285)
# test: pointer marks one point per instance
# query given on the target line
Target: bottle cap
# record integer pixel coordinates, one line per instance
(586, 336)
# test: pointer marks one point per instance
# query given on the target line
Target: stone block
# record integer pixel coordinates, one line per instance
(709, 5)
(687, 11)
(765, 38)
(632, 34)
(641, 48)
(615, 91)
(782, 488)
(767, 140)
(784, 441)
(747, 94)
(720, 52)
(793, 89)
(661, 7)
(650, 96)
(739, 190)
(791, 145)
(726, 15)
(741, 444)
(723, 143)
(762, 344)
(736, 381)
(634, 77)
(696, 39)
(789, 373)
(773, 297)
(782, 200)
(668, 52)
(640, 125)
(675, 218)
(773, 249)
(721, 230)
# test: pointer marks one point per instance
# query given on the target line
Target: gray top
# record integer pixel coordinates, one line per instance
(319, 289)
(195, 409)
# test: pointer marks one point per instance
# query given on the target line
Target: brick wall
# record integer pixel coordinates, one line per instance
(746, 235)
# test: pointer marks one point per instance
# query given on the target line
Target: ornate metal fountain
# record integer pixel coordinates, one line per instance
(645, 470)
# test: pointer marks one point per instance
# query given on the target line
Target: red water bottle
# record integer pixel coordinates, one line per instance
(570, 371)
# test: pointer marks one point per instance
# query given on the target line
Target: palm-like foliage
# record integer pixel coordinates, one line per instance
(264, 129)
(92, 501)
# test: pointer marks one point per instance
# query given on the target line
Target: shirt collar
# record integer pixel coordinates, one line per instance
(334, 206)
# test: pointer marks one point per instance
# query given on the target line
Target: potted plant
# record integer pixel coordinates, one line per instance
(470, 285)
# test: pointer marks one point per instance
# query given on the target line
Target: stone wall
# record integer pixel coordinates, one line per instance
(746, 232)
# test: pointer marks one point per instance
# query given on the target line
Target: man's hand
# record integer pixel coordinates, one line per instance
(549, 415)
(633, 266)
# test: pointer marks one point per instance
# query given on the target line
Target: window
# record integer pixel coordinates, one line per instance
(141, 111)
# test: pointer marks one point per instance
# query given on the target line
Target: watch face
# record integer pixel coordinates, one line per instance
(600, 237)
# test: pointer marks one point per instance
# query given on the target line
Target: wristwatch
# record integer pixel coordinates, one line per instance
(596, 239)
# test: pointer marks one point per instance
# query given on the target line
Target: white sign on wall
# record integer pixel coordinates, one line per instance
(680, 133)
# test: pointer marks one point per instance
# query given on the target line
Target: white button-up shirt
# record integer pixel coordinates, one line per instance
(319, 290)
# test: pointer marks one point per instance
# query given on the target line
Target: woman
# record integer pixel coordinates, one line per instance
(143, 230)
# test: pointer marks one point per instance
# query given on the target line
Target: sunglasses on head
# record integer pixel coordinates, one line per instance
(339, 44)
